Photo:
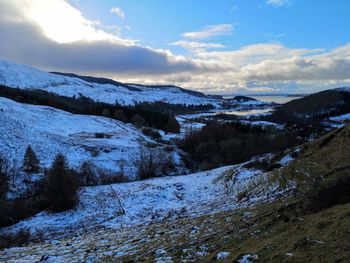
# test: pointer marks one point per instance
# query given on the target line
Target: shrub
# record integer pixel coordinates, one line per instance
(31, 163)
(62, 186)
(330, 194)
(106, 113)
(138, 121)
(147, 164)
(151, 133)
(153, 162)
(172, 125)
(4, 186)
(28, 204)
(86, 174)
(109, 177)
(120, 116)
(99, 135)
(14, 240)
(4, 180)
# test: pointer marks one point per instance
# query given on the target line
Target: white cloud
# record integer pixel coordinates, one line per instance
(93, 50)
(210, 31)
(279, 3)
(117, 11)
(197, 47)
(326, 66)
(58, 20)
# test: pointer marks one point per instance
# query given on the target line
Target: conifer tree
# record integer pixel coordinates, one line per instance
(31, 163)
(62, 186)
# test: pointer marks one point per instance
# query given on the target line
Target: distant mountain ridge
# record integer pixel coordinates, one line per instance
(99, 89)
(130, 86)
(97, 80)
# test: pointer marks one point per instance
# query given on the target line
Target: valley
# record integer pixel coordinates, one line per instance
(228, 180)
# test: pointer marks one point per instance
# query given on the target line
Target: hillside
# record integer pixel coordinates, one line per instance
(130, 86)
(234, 213)
(50, 131)
(99, 89)
(314, 107)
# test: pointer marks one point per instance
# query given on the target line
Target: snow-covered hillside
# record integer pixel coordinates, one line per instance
(24, 77)
(50, 131)
(154, 200)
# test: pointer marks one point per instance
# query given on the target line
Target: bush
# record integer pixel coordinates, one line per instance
(62, 186)
(330, 194)
(31, 163)
(154, 162)
(14, 240)
(138, 121)
(4, 180)
(86, 174)
(151, 133)
(106, 113)
(99, 135)
(4, 186)
(119, 115)
(109, 177)
(25, 206)
(172, 125)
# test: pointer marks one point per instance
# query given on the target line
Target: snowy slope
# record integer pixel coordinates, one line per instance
(153, 200)
(24, 77)
(51, 131)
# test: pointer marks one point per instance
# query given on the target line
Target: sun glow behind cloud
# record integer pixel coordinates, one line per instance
(63, 23)
(58, 37)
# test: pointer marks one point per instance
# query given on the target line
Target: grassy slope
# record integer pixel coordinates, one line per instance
(280, 231)
(324, 159)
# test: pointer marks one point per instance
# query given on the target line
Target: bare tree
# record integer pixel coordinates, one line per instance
(153, 162)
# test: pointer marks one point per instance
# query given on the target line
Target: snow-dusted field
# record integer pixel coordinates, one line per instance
(153, 200)
(24, 77)
(50, 131)
(97, 225)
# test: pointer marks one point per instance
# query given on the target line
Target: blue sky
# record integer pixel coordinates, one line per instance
(226, 46)
(298, 23)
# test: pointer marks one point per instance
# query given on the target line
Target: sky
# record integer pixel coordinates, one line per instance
(220, 47)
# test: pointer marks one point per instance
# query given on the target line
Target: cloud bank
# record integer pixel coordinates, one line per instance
(87, 47)
(92, 50)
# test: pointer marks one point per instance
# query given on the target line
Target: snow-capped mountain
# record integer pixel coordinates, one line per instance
(25, 77)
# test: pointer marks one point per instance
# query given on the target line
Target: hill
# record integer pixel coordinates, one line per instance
(230, 214)
(99, 89)
(313, 108)
(49, 131)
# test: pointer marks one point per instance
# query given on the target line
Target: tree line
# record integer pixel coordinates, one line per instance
(218, 144)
